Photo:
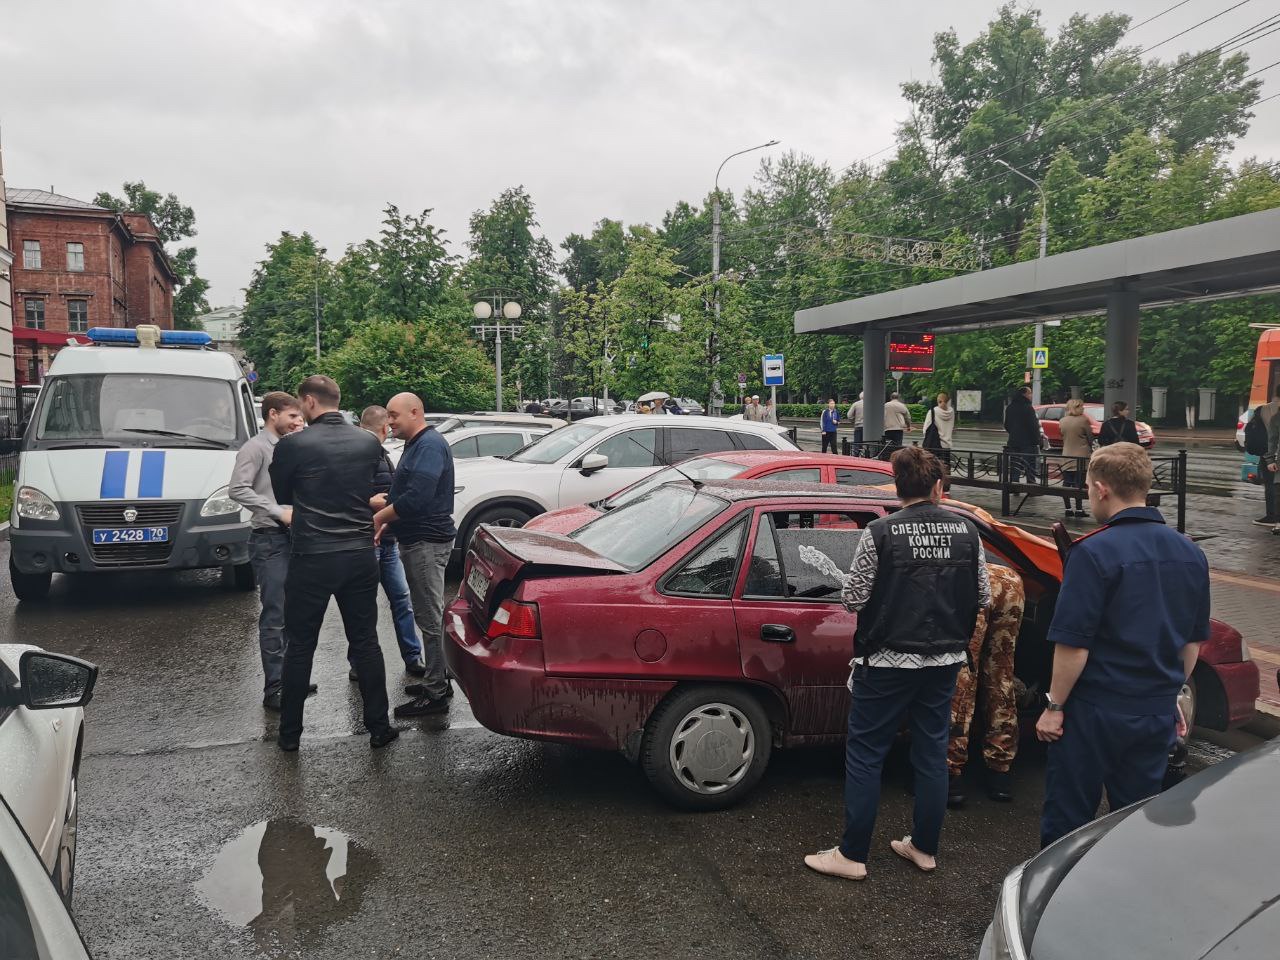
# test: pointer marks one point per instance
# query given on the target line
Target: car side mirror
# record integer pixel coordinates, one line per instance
(54, 681)
(593, 462)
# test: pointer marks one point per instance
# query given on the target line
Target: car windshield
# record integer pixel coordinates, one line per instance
(133, 409)
(644, 530)
(700, 468)
(557, 443)
(448, 425)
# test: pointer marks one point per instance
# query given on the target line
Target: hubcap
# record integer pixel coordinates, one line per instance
(712, 748)
(67, 843)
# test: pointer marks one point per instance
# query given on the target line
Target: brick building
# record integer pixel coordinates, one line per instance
(6, 292)
(77, 266)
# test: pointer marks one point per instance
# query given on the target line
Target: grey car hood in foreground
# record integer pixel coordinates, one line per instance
(1194, 874)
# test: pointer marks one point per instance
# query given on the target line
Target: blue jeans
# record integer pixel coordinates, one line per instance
(396, 587)
(269, 556)
(1100, 748)
(881, 695)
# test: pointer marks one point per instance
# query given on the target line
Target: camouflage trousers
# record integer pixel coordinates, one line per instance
(991, 672)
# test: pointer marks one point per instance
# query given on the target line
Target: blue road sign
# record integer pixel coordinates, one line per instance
(772, 368)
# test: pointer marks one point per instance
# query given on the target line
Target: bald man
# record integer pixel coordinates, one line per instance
(419, 508)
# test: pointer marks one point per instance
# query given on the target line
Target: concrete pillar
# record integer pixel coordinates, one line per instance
(1121, 367)
(874, 345)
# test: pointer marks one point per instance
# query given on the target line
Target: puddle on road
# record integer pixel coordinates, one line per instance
(287, 882)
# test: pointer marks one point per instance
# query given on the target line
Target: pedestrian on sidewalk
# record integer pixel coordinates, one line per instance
(752, 410)
(854, 416)
(1266, 414)
(897, 420)
(770, 412)
(1118, 428)
(390, 567)
(1126, 632)
(269, 532)
(988, 676)
(1272, 464)
(918, 580)
(419, 509)
(1077, 445)
(326, 474)
(939, 428)
(830, 423)
(1023, 427)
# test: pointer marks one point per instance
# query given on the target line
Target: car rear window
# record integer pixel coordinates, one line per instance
(642, 531)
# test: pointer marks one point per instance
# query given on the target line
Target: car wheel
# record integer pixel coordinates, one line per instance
(238, 576)
(64, 869)
(499, 517)
(29, 586)
(706, 747)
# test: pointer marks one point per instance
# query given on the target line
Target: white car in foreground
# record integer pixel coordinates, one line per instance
(590, 460)
(42, 698)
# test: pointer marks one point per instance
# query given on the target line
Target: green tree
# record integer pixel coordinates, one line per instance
(174, 221)
(410, 265)
(277, 329)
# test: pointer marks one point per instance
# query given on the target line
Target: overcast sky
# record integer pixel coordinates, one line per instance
(270, 115)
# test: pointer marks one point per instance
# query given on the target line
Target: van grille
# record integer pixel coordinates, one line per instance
(150, 514)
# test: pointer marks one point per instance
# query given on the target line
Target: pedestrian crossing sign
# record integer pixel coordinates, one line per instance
(1039, 358)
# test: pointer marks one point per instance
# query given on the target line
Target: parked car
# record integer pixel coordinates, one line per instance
(34, 921)
(689, 405)
(695, 629)
(42, 699)
(1051, 413)
(539, 422)
(469, 442)
(590, 460)
(1105, 890)
(791, 466)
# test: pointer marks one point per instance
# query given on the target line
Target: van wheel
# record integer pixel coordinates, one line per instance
(706, 747)
(498, 517)
(29, 586)
(238, 576)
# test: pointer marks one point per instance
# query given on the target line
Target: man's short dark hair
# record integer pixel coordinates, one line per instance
(915, 471)
(278, 400)
(323, 389)
(373, 417)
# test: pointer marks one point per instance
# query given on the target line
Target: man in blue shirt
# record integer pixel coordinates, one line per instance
(1127, 629)
(830, 424)
(420, 505)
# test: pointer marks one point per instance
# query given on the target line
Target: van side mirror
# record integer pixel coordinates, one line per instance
(54, 681)
(593, 462)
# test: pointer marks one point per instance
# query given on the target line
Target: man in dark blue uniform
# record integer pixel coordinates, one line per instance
(1132, 613)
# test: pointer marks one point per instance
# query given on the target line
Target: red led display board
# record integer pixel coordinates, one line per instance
(911, 352)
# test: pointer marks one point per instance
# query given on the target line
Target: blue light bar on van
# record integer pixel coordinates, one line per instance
(171, 338)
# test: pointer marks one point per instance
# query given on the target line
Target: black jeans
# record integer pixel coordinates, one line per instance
(1268, 488)
(1026, 464)
(350, 577)
(829, 439)
(894, 437)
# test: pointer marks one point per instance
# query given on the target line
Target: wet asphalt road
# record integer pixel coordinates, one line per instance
(200, 839)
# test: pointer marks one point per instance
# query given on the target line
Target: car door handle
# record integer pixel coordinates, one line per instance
(777, 633)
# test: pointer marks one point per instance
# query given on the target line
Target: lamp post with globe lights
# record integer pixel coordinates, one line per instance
(497, 308)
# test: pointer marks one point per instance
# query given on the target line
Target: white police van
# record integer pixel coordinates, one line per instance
(125, 461)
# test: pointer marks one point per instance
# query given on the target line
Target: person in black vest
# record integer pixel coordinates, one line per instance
(918, 579)
(1117, 428)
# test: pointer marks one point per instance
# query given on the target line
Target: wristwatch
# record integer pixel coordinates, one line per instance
(1051, 706)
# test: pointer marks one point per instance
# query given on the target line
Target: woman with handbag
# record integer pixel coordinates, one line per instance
(1077, 444)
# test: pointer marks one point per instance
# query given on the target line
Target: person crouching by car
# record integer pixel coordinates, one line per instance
(918, 579)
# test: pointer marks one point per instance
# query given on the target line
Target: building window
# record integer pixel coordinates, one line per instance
(31, 254)
(77, 316)
(75, 257)
(35, 314)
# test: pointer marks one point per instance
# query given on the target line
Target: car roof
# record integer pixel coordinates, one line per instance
(767, 488)
(463, 432)
(688, 420)
(764, 458)
(213, 364)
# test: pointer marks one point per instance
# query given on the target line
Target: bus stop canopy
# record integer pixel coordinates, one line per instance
(1234, 257)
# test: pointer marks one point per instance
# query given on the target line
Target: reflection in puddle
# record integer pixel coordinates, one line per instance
(287, 881)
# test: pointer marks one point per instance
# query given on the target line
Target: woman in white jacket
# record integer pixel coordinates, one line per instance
(941, 419)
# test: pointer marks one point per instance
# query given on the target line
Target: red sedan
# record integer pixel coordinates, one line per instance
(699, 627)
(1051, 413)
(791, 466)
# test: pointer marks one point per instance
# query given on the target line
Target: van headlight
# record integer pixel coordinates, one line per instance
(31, 504)
(219, 504)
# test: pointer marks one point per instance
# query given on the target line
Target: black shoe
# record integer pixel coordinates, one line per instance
(313, 688)
(1265, 521)
(420, 690)
(272, 702)
(1082, 514)
(287, 744)
(381, 739)
(422, 707)
(415, 667)
(352, 675)
(955, 792)
(1000, 785)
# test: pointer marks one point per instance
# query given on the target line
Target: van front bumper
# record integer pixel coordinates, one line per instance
(66, 545)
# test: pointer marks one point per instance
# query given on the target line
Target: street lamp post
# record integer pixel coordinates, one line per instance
(494, 307)
(1044, 249)
(712, 347)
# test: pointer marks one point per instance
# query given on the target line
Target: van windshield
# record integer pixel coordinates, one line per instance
(128, 409)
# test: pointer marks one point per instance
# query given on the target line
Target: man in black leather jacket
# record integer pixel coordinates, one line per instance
(325, 473)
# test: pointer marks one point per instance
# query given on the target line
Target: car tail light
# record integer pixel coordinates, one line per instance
(515, 619)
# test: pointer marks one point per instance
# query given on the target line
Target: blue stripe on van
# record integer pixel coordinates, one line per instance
(151, 477)
(115, 464)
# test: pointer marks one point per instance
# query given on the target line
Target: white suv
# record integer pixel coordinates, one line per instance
(590, 460)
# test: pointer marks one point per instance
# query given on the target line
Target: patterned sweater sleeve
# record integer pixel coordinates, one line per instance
(862, 574)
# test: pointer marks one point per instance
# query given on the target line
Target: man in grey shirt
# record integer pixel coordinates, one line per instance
(269, 540)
